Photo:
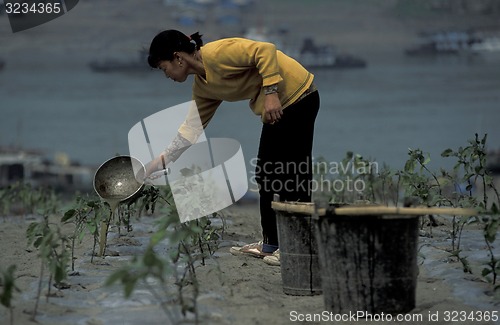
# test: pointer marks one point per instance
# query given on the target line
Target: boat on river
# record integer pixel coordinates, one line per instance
(310, 54)
(314, 56)
(455, 42)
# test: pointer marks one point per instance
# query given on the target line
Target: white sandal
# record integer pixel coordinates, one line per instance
(254, 249)
(274, 259)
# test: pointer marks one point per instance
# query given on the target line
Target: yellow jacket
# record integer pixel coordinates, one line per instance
(238, 69)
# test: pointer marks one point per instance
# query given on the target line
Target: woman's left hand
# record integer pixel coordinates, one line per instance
(272, 108)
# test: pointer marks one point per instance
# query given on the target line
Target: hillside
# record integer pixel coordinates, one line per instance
(112, 27)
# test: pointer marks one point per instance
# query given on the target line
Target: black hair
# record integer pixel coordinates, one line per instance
(169, 41)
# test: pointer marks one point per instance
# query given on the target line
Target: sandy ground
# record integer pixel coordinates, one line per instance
(233, 290)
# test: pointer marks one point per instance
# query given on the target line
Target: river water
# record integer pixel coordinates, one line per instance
(379, 112)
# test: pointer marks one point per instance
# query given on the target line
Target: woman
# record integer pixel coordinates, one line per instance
(279, 90)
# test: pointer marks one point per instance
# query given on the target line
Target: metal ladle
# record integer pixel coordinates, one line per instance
(115, 182)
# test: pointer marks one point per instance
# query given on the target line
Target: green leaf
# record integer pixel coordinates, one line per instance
(93, 204)
(409, 166)
(129, 286)
(158, 236)
(485, 272)
(488, 180)
(32, 229)
(68, 215)
(91, 227)
(116, 276)
(150, 258)
(186, 172)
(80, 236)
(60, 273)
(7, 281)
(494, 209)
(468, 176)
(490, 230)
(37, 242)
(427, 160)
(196, 229)
(447, 153)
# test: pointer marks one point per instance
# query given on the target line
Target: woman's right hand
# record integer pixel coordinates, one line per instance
(156, 164)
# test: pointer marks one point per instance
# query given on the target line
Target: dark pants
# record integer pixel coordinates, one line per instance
(284, 162)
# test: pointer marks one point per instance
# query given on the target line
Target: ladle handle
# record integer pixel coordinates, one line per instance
(158, 174)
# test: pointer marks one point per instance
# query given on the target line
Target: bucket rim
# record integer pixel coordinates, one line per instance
(388, 212)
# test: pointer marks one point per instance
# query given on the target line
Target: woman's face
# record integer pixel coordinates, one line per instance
(174, 70)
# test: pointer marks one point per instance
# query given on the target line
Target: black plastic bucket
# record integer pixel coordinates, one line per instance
(298, 250)
(368, 262)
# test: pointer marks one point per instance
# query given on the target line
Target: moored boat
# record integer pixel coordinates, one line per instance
(324, 56)
(455, 42)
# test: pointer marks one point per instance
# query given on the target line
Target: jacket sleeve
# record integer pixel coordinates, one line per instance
(240, 53)
(198, 117)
